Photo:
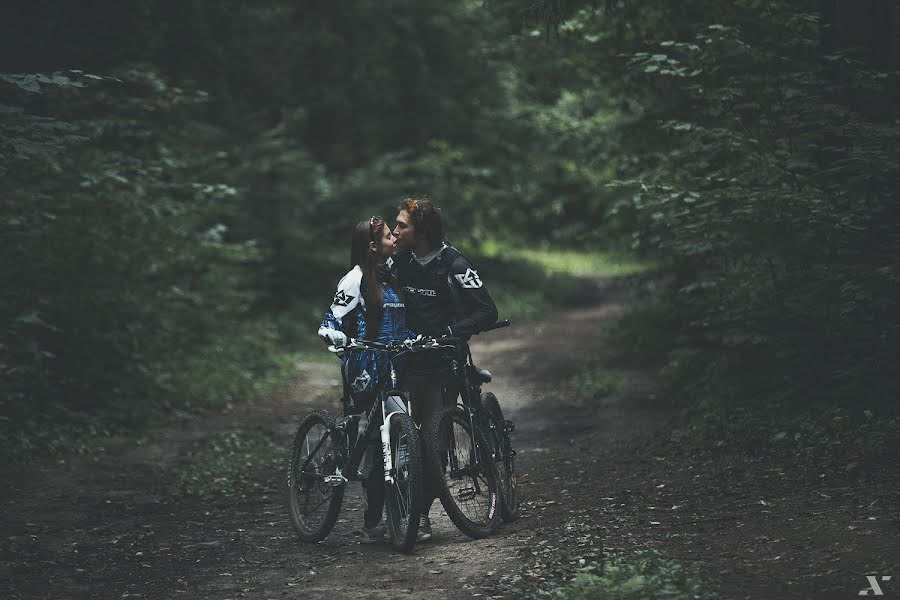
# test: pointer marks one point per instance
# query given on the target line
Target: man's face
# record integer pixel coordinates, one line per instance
(405, 232)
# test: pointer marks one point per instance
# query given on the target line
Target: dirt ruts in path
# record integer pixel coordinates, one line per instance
(103, 526)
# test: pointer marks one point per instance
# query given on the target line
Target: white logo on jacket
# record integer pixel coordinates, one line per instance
(469, 279)
(361, 382)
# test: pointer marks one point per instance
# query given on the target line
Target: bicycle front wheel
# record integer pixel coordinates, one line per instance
(504, 456)
(466, 476)
(404, 496)
(313, 505)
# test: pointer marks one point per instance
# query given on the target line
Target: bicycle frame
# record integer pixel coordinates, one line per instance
(390, 402)
(464, 379)
(395, 401)
(469, 388)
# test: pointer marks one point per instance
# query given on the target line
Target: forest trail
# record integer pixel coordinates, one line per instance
(104, 526)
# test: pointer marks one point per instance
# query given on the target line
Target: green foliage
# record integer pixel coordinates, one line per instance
(123, 282)
(227, 464)
(762, 168)
(173, 227)
(644, 574)
(575, 567)
(551, 563)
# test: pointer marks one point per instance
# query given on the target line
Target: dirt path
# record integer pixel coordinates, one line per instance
(103, 527)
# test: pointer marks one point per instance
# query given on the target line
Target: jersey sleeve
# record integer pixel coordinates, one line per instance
(477, 308)
(347, 298)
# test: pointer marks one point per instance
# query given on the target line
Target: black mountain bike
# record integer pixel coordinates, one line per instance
(468, 450)
(326, 454)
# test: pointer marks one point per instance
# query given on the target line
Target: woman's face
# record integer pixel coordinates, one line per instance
(384, 245)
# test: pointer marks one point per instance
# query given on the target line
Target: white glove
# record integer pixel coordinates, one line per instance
(337, 338)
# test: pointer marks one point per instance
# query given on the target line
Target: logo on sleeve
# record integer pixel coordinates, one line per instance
(389, 262)
(342, 299)
(469, 279)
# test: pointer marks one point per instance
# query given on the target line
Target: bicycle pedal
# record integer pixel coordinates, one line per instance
(335, 480)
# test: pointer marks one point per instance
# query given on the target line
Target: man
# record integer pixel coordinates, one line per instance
(444, 296)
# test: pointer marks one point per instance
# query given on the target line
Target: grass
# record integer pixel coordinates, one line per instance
(228, 463)
(528, 283)
(575, 263)
(518, 304)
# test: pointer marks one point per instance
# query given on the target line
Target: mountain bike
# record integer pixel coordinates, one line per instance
(326, 454)
(468, 449)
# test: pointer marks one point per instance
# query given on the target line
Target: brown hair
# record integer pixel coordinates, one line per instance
(367, 231)
(426, 219)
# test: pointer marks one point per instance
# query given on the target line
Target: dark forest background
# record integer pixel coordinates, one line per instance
(179, 180)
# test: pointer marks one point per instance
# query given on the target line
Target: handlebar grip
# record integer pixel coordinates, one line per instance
(499, 325)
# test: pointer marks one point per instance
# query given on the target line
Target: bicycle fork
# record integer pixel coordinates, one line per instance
(393, 404)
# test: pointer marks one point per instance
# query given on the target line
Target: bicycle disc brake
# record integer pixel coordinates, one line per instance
(467, 493)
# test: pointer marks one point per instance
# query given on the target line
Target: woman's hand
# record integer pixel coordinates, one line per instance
(334, 336)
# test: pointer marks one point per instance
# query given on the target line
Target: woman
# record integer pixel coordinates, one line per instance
(368, 305)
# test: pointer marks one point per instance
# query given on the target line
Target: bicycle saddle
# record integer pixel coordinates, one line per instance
(484, 375)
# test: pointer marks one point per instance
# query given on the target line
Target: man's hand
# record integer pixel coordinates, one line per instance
(409, 343)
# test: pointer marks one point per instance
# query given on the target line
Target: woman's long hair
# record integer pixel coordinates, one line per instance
(367, 231)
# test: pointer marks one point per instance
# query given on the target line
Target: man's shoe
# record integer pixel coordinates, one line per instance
(424, 529)
(374, 534)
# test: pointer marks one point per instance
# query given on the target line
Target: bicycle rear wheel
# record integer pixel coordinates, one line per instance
(404, 496)
(504, 456)
(468, 488)
(313, 506)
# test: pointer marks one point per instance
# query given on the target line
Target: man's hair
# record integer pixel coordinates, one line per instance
(426, 219)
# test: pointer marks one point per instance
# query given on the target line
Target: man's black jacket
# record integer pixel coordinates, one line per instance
(446, 292)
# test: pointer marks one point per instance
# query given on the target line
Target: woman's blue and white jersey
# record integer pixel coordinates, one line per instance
(366, 371)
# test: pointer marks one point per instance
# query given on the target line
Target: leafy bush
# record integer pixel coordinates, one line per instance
(764, 152)
(126, 295)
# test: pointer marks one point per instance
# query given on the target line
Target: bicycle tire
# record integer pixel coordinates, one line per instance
(310, 523)
(468, 492)
(504, 457)
(404, 496)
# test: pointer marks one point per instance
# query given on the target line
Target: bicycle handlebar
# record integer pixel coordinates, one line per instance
(497, 325)
(413, 345)
(458, 340)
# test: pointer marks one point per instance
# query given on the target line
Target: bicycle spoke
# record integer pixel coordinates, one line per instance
(313, 505)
